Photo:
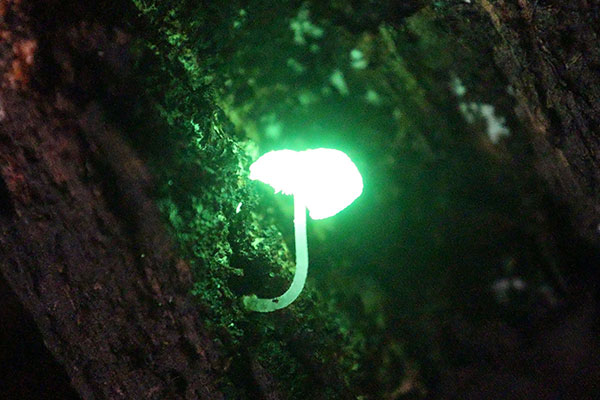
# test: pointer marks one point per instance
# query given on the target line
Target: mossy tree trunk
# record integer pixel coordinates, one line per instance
(83, 245)
(85, 248)
(86, 251)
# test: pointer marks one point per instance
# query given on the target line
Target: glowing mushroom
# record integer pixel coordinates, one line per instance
(324, 181)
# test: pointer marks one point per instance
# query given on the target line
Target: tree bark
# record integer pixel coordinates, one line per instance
(550, 55)
(83, 245)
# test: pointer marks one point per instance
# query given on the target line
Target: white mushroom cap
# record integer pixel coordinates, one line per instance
(326, 179)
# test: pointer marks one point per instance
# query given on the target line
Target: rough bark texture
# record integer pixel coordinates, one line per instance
(549, 52)
(82, 242)
(97, 267)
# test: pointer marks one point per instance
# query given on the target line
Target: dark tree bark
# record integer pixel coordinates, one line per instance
(550, 54)
(82, 244)
(84, 254)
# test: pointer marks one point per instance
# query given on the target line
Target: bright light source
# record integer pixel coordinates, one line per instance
(326, 179)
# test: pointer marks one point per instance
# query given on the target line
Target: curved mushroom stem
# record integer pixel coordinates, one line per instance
(267, 305)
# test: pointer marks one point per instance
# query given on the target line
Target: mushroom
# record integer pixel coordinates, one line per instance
(324, 181)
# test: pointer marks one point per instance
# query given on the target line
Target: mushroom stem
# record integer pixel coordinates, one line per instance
(267, 305)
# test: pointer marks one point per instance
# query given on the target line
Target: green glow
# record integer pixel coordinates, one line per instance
(267, 305)
(323, 180)
(327, 179)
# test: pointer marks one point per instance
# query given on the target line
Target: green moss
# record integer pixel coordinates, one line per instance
(201, 168)
(220, 79)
